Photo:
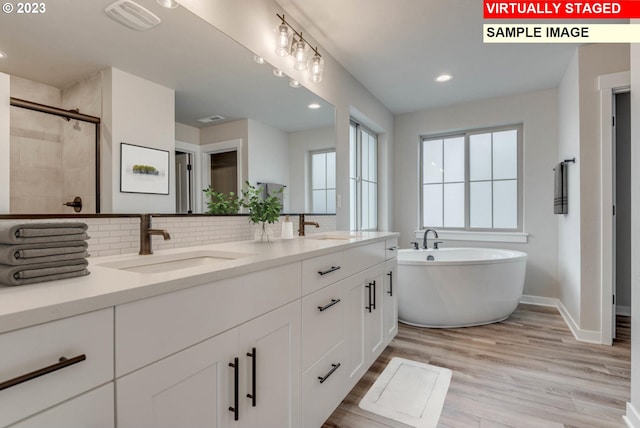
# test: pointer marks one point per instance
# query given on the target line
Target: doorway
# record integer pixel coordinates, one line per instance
(224, 172)
(622, 203)
(184, 182)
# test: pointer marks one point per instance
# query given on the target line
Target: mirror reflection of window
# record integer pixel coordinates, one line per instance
(363, 177)
(323, 182)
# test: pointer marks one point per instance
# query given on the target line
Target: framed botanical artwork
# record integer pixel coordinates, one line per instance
(143, 170)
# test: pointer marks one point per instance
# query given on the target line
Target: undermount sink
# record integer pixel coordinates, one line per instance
(334, 236)
(169, 262)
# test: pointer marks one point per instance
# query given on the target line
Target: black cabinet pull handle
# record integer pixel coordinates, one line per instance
(252, 354)
(390, 292)
(234, 409)
(334, 367)
(395, 247)
(61, 364)
(374, 294)
(328, 305)
(368, 287)
(332, 269)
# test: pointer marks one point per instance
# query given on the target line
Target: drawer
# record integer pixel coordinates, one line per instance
(321, 271)
(391, 248)
(364, 256)
(90, 410)
(27, 350)
(319, 400)
(322, 322)
(151, 329)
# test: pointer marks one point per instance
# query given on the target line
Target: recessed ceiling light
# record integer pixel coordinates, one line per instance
(294, 83)
(258, 59)
(169, 4)
(443, 78)
(314, 106)
(3, 55)
(278, 73)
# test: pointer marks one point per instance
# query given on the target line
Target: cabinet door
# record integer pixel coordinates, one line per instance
(93, 409)
(374, 328)
(390, 304)
(354, 329)
(193, 388)
(270, 394)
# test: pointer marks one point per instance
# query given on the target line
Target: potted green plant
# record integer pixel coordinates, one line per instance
(221, 203)
(262, 211)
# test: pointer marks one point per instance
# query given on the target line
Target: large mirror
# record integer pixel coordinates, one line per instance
(232, 120)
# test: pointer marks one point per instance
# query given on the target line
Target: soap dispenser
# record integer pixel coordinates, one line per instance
(287, 229)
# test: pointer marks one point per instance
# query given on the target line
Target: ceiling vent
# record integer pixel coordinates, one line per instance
(132, 15)
(211, 119)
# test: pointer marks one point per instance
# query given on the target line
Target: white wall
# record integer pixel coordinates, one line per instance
(5, 146)
(579, 233)
(269, 157)
(187, 134)
(569, 224)
(538, 113)
(254, 28)
(140, 113)
(300, 144)
(634, 406)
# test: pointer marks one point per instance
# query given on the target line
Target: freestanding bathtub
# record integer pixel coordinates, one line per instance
(460, 287)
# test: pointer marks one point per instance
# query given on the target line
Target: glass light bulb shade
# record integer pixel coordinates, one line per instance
(300, 55)
(282, 40)
(278, 73)
(316, 64)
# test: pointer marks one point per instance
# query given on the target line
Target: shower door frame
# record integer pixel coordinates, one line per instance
(68, 114)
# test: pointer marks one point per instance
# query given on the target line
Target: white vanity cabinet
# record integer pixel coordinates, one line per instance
(217, 355)
(216, 384)
(390, 297)
(344, 325)
(47, 364)
(93, 409)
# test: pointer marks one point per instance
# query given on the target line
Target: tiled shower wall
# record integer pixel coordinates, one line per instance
(53, 160)
(121, 235)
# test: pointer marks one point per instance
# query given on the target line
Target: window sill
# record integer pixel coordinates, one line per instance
(459, 235)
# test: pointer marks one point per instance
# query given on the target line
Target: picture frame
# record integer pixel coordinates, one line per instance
(143, 170)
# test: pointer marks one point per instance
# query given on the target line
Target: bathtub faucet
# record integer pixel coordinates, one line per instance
(424, 239)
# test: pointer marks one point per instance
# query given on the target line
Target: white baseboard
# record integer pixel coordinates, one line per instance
(632, 418)
(588, 336)
(623, 310)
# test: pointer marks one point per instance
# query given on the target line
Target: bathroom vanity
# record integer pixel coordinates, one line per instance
(241, 334)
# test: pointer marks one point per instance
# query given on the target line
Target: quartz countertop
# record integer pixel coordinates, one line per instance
(27, 305)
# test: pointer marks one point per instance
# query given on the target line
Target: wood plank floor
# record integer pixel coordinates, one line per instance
(527, 371)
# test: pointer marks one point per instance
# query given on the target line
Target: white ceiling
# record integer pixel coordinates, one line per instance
(397, 47)
(394, 47)
(211, 74)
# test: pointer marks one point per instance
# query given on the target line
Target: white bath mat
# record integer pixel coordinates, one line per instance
(409, 392)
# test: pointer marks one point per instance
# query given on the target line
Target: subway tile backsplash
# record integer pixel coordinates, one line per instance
(121, 235)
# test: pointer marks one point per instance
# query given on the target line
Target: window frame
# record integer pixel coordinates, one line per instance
(466, 134)
(359, 129)
(326, 189)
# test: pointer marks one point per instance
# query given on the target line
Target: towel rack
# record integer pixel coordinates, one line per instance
(572, 160)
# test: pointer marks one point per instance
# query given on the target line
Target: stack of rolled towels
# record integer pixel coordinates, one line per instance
(33, 252)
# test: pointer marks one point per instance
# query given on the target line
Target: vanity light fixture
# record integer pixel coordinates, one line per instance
(258, 59)
(443, 78)
(298, 47)
(294, 83)
(169, 4)
(278, 73)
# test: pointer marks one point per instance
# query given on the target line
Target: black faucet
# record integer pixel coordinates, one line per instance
(424, 239)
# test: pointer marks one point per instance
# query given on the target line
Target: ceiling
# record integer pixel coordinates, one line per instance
(211, 74)
(396, 48)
